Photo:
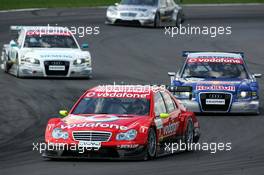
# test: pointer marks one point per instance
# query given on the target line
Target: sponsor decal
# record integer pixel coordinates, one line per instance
(116, 95)
(56, 56)
(94, 125)
(215, 101)
(47, 33)
(170, 129)
(159, 123)
(143, 129)
(102, 118)
(219, 82)
(215, 88)
(128, 146)
(228, 60)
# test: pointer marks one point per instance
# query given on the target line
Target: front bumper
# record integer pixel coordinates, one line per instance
(148, 21)
(39, 71)
(248, 107)
(103, 153)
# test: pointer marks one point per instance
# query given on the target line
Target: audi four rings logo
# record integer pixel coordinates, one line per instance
(215, 96)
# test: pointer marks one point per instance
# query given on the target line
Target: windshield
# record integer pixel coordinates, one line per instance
(49, 41)
(121, 106)
(214, 70)
(139, 2)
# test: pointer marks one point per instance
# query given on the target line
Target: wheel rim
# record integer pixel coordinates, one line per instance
(179, 20)
(152, 144)
(189, 138)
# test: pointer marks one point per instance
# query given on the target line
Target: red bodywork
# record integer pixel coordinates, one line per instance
(171, 127)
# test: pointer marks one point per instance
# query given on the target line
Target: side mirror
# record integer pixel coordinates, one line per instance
(64, 113)
(85, 46)
(171, 73)
(181, 92)
(116, 4)
(172, 76)
(164, 115)
(257, 75)
(13, 43)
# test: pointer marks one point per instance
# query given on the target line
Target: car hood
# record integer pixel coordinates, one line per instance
(55, 54)
(203, 85)
(135, 8)
(103, 122)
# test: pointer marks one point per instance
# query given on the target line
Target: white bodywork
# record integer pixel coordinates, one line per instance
(24, 61)
(163, 13)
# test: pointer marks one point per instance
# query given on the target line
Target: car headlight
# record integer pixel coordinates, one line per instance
(57, 133)
(112, 12)
(129, 135)
(80, 61)
(31, 60)
(244, 94)
(183, 95)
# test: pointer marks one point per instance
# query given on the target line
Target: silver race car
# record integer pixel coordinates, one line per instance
(154, 13)
(44, 51)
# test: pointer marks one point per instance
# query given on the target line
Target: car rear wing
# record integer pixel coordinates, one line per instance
(15, 31)
(186, 53)
(16, 28)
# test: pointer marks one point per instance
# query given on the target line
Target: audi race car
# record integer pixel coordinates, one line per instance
(215, 82)
(44, 51)
(153, 13)
(116, 122)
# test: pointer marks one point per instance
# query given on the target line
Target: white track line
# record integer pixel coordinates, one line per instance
(21, 10)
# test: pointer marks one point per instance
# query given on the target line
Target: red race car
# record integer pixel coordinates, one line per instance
(134, 122)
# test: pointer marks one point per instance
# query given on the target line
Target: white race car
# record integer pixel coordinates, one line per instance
(155, 13)
(44, 51)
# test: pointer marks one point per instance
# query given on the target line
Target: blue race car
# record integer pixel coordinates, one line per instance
(216, 82)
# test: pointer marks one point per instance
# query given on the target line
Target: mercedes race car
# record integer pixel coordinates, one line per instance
(116, 122)
(153, 13)
(215, 82)
(44, 51)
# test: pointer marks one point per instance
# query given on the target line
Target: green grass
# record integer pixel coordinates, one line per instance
(19, 4)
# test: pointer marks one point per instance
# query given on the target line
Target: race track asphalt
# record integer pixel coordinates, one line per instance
(132, 55)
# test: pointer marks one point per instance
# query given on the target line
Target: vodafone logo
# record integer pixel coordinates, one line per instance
(90, 94)
(102, 118)
(216, 60)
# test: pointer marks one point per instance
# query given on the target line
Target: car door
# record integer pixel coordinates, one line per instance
(161, 123)
(13, 54)
(163, 10)
(173, 122)
(170, 10)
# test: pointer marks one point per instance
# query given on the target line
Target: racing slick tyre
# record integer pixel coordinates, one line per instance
(179, 19)
(17, 72)
(151, 148)
(189, 135)
(157, 20)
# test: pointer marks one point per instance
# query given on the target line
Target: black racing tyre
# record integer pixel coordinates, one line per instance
(189, 135)
(179, 19)
(151, 148)
(157, 20)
